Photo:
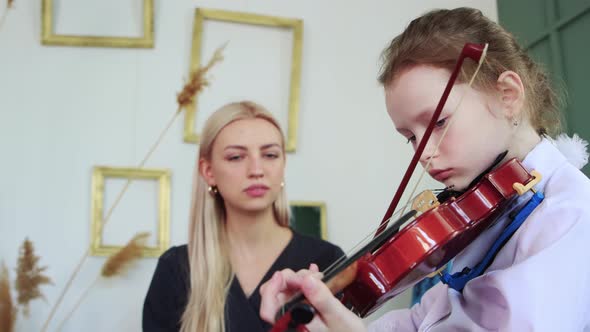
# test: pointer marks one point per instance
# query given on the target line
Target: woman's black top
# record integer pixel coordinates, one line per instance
(167, 295)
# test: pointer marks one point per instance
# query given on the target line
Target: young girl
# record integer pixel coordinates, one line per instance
(540, 279)
(238, 232)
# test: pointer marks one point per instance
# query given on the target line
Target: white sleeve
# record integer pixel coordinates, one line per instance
(409, 319)
(543, 285)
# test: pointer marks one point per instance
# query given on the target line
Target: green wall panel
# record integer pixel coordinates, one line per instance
(576, 54)
(541, 52)
(556, 34)
(567, 8)
(512, 13)
(309, 218)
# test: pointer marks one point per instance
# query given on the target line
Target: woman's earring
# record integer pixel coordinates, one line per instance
(282, 184)
(212, 190)
(515, 123)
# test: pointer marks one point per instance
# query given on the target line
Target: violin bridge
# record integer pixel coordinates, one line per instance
(425, 201)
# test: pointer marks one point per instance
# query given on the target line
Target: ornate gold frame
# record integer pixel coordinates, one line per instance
(49, 38)
(246, 18)
(323, 214)
(161, 175)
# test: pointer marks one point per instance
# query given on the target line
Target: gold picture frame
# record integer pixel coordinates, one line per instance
(313, 227)
(48, 37)
(98, 177)
(190, 136)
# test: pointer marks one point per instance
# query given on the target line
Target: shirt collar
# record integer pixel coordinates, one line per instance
(545, 158)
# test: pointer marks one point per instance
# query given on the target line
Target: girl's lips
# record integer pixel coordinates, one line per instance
(441, 175)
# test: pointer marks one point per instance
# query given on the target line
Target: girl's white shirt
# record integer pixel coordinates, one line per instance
(540, 280)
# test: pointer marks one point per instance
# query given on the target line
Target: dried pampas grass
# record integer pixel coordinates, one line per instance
(29, 276)
(198, 81)
(7, 309)
(118, 263)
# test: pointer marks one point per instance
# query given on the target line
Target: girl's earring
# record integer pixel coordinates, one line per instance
(212, 190)
(515, 123)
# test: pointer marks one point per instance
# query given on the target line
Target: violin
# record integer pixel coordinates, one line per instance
(432, 234)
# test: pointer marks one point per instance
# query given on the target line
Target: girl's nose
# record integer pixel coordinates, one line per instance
(429, 150)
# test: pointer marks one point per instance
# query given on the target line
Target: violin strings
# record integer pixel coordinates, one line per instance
(370, 234)
(340, 259)
(354, 248)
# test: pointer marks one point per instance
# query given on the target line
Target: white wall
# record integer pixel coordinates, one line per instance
(66, 109)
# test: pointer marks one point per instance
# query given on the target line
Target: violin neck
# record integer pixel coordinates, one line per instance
(343, 273)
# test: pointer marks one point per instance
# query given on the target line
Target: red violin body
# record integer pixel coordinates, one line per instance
(431, 240)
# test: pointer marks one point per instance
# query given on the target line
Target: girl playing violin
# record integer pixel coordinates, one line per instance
(539, 278)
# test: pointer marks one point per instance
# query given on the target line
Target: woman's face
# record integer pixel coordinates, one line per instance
(247, 165)
(477, 135)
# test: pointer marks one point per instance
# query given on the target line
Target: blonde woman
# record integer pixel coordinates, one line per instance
(238, 234)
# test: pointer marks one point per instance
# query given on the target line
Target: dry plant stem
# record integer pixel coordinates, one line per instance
(3, 18)
(63, 292)
(141, 164)
(75, 307)
(198, 82)
(8, 7)
(106, 219)
(114, 265)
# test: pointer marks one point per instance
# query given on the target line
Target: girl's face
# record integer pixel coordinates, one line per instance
(477, 135)
(247, 165)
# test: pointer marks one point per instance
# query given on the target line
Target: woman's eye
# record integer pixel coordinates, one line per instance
(234, 158)
(271, 155)
(411, 139)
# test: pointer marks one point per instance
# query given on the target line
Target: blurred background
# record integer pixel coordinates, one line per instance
(66, 109)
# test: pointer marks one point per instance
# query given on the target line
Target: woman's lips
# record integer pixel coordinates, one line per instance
(256, 190)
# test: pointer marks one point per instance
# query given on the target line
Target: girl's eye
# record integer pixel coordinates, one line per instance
(234, 157)
(441, 123)
(411, 139)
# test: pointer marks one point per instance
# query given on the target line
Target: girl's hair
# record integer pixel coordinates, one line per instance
(210, 270)
(437, 38)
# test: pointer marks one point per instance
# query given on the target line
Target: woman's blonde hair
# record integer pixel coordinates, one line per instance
(210, 270)
(437, 37)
